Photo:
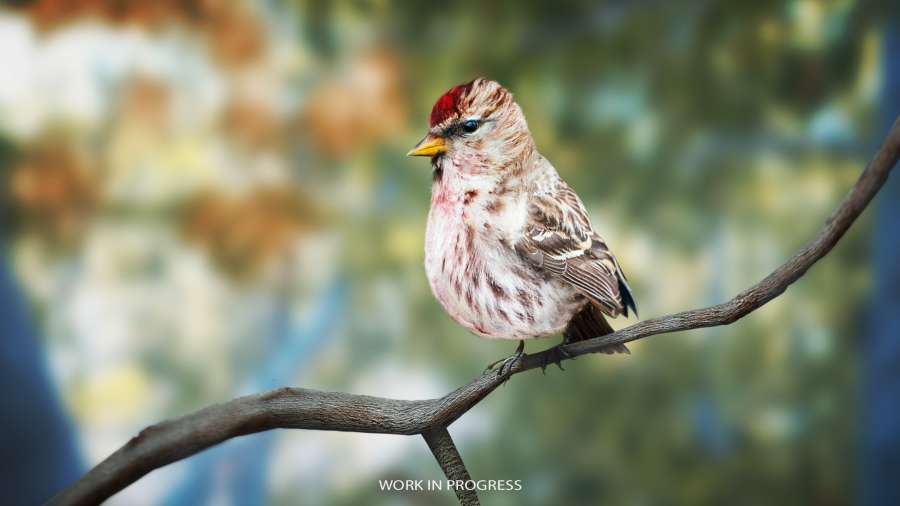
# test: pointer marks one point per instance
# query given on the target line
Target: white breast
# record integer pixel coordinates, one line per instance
(477, 276)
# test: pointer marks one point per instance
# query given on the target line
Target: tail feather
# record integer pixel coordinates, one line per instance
(627, 298)
(590, 323)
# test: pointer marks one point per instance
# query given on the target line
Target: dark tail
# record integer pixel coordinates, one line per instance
(589, 323)
(625, 293)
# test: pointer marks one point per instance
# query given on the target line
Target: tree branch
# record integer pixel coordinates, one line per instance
(298, 408)
(443, 449)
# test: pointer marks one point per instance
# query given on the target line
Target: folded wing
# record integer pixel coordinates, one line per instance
(559, 239)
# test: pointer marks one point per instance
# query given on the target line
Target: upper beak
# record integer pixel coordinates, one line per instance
(429, 146)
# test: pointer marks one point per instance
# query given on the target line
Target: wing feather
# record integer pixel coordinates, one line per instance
(559, 240)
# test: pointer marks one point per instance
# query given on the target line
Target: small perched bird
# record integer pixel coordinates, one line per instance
(509, 249)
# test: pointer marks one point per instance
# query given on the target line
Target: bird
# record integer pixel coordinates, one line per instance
(510, 252)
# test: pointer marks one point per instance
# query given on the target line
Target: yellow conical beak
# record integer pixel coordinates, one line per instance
(429, 146)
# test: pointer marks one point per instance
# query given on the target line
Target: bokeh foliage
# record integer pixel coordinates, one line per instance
(708, 139)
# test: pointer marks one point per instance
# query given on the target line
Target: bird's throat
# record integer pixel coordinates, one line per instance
(437, 170)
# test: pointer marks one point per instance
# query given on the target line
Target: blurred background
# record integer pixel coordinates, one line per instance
(203, 199)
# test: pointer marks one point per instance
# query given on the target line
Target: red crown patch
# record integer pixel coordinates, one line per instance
(448, 104)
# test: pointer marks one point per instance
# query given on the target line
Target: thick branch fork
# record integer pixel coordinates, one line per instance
(299, 408)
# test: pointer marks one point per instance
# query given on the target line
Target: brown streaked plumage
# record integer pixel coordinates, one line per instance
(510, 251)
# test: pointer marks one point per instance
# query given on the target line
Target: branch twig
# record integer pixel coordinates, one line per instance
(443, 449)
(298, 408)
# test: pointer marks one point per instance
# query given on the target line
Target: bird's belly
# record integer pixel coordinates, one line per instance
(485, 287)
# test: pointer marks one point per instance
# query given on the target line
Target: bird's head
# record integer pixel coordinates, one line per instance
(478, 127)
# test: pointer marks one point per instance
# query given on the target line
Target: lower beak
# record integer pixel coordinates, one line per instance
(429, 146)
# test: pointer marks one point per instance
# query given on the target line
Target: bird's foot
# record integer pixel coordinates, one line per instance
(506, 364)
(555, 355)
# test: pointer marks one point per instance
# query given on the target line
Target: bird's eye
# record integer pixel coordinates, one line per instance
(470, 126)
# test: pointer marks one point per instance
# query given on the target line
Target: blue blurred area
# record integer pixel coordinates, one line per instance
(38, 452)
(881, 356)
(241, 467)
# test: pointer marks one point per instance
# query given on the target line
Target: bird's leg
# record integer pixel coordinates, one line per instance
(556, 355)
(507, 363)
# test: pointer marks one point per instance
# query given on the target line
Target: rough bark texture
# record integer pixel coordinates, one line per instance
(451, 463)
(299, 408)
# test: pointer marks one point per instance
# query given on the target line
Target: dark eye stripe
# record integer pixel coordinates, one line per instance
(464, 127)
